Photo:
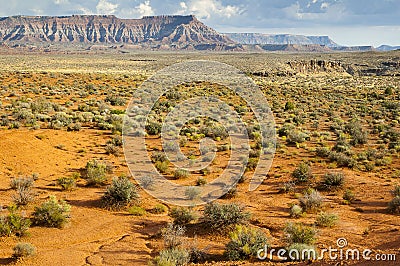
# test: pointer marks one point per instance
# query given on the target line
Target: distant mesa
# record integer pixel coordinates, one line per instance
(181, 31)
(281, 39)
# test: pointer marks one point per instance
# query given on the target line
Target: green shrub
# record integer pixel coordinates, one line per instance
(296, 211)
(95, 172)
(244, 243)
(159, 209)
(322, 152)
(192, 193)
(146, 182)
(289, 106)
(162, 167)
(311, 201)
(112, 149)
(396, 191)
(24, 250)
(299, 233)
(223, 215)
(182, 216)
(173, 235)
(159, 157)
(22, 182)
(137, 211)
(52, 213)
(288, 187)
(67, 183)
(333, 181)
(181, 174)
(302, 173)
(326, 219)
(394, 205)
(301, 252)
(201, 181)
(120, 193)
(14, 223)
(153, 128)
(23, 196)
(173, 257)
(349, 196)
(295, 137)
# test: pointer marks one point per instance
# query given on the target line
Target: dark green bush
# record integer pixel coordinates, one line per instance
(394, 205)
(14, 223)
(120, 193)
(182, 216)
(52, 213)
(302, 173)
(333, 181)
(223, 215)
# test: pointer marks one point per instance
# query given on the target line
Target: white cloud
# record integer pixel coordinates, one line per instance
(61, 2)
(106, 8)
(206, 9)
(145, 9)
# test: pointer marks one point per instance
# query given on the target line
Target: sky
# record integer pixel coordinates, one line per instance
(347, 22)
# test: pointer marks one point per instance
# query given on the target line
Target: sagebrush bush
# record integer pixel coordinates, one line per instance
(192, 193)
(302, 173)
(120, 193)
(22, 182)
(95, 172)
(222, 215)
(158, 209)
(311, 201)
(23, 196)
(299, 233)
(349, 196)
(146, 182)
(173, 235)
(162, 167)
(296, 211)
(182, 216)
(326, 219)
(172, 257)
(396, 191)
(23, 250)
(14, 223)
(67, 183)
(181, 174)
(52, 213)
(332, 181)
(244, 243)
(394, 205)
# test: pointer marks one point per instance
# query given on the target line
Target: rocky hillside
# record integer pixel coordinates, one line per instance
(280, 39)
(153, 30)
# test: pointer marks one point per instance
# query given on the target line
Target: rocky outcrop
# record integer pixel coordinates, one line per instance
(316, 66)
(178, 30)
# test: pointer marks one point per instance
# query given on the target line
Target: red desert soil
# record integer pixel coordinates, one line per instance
(100, 237)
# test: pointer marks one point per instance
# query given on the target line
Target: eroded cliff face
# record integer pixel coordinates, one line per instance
(109, 29)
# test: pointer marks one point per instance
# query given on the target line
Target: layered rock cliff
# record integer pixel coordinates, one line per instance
(178, 30)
